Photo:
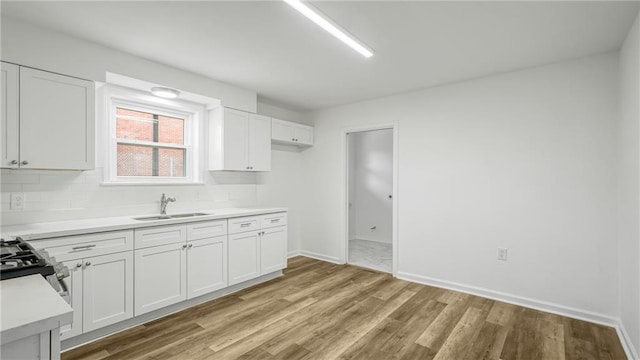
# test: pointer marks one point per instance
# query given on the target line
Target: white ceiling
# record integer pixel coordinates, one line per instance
(268, 47)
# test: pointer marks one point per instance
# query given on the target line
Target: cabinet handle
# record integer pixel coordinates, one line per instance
(25, 162)
(275, 220)
(190, 246)
(79, 264)
(184, 246)
(14, 162)
(245, 224)
(88, 263)
(83, 247)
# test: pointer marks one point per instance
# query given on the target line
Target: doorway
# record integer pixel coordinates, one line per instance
(370, 207)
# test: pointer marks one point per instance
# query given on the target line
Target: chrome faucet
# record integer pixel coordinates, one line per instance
(164, 201)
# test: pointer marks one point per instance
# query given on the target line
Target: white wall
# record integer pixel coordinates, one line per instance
(283, 185)
(629, 185)
(371, 183)
(523, 160)
(29, 45)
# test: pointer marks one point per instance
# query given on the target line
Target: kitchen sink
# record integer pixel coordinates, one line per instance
(166, 217)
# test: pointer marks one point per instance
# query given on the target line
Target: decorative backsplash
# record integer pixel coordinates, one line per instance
(66, 195)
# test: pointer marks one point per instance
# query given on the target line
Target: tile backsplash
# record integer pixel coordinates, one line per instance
(65, 195)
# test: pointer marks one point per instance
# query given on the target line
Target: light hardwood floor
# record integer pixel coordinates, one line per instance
(319, 310)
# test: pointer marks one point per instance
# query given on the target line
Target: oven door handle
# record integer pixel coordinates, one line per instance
(83, 247)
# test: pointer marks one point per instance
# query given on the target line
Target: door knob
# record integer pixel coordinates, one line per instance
(25, 162)
(14, 162)
(88, 263)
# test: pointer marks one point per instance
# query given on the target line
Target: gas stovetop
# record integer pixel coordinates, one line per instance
(18, 258)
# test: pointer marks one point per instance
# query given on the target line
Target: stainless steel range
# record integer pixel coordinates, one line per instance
(19, 258)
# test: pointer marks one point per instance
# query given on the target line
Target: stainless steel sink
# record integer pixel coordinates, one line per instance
(166, 217)
(187, 215)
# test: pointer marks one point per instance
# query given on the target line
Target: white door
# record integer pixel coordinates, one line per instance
(303, 134)
(160, 277)
(281, 130)
(273, 249)
(243, 257)
(9, 131)
(74, 286)
(57, 121)
(107, 290)
(236, 125)
(206, 265)
(259, 142)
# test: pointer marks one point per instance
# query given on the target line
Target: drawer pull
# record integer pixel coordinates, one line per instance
(83, 247)
(275, 220)
(245, 224)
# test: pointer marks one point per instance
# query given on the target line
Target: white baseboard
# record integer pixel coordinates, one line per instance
(322, 257)
(627, 344)
(515, 299)
(294, 253)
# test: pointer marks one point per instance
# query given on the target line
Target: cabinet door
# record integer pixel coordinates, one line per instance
(243, 257)
(236, 125)
(281, 130)
(206, 265)
(9, 133)
(160, 277)
(74, 286)
(259, 142)
(107, 290)
(57, 121)
(273, 250)
(303, 134)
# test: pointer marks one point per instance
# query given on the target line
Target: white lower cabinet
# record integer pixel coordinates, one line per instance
(74, 287)
(100, 284)
(161, 277)
(243, 257)
(252, 252)
(273, 249)
(116, 275)
(100, 292)
(193, 265)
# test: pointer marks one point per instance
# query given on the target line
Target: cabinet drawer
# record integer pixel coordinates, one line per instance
(242, 224)
(203, 230)
(82, 246)
(273, 220)
(160, 235)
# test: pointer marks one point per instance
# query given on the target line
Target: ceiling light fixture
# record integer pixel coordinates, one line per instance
(164, 92)
(329, 27)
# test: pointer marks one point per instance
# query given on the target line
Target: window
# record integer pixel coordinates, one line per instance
(151, 140)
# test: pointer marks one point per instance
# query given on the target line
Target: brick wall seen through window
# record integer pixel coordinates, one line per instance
(149, 144)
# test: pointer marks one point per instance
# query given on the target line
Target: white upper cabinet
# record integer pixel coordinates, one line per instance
(10, 123)
(289, 133)
(48, 120)
(239, 141)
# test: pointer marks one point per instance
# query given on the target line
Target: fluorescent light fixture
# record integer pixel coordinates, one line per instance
(329, 27)
(164, 92)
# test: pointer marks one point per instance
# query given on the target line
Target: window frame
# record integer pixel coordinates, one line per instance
(136, 100)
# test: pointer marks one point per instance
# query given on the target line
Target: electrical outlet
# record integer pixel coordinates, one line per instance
(502, 254)
(17, 201)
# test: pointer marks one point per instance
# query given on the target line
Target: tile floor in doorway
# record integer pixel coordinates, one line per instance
(371, 254)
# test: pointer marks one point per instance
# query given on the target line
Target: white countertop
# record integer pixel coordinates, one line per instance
(77, 227)
(30, 306)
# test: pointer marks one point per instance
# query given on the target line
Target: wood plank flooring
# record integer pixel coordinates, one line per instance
(319, 310)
